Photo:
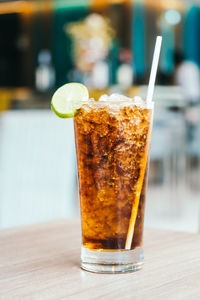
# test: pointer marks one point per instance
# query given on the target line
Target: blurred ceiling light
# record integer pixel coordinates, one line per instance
(172, 17)
(166, 4)
(13, 7)
(24, 7)
(107, 2)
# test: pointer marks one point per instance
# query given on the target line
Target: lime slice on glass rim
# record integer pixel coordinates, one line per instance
(68, 98)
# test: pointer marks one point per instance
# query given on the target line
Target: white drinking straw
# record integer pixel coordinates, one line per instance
(150, 90)
(154, 68)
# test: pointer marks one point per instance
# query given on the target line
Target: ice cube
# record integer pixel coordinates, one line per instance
(115, 97)
(138, 100)
(104, 98)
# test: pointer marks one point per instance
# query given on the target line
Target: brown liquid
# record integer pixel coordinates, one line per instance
(110, 154)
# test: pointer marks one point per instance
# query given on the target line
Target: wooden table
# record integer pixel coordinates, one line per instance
(42, 262)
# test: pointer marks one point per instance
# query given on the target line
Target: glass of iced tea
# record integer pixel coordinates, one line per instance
(112, 145)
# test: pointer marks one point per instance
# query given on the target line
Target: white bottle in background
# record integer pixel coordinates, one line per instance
(44, 74)
(125, 76)
(125, 72)
(100, 75)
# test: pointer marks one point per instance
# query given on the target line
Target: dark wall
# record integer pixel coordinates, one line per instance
(9, 53)
(62, 59)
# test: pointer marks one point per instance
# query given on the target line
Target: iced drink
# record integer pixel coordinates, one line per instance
(112, 144)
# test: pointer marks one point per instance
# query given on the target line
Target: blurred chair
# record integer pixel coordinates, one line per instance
(193, 147)
(169, 153)
(37, 168)
(170, 203)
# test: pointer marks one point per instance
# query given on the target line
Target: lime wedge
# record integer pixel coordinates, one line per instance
(68, 98)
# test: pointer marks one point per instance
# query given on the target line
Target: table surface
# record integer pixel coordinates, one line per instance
(42, 262)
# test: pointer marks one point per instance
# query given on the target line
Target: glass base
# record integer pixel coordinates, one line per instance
(112, 261)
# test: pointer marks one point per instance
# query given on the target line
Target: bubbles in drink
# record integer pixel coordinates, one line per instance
(112, 135)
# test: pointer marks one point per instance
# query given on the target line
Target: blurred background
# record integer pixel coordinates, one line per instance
(107, 45)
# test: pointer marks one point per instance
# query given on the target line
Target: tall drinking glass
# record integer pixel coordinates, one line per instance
(112, 146)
